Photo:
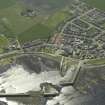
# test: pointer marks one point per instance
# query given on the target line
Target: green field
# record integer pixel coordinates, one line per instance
(35, 32)
(57, 18)
(13, 22)
(3, 41)
(96, 62)
(6, 3)
(96, 3)
(26, 28)
(48, 5)
(44, 29)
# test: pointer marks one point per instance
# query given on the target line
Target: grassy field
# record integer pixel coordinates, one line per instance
(45, 28)
(3, 41)
(26, 28)
(57, 18)
(96, 62)
(6, 3)
(35, 32)
(47, 5)
(13, 24)
(96, 3)
(12, 21)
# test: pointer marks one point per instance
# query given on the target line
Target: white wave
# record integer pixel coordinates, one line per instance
(19, 80)
(9, 102)
(65, 98)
